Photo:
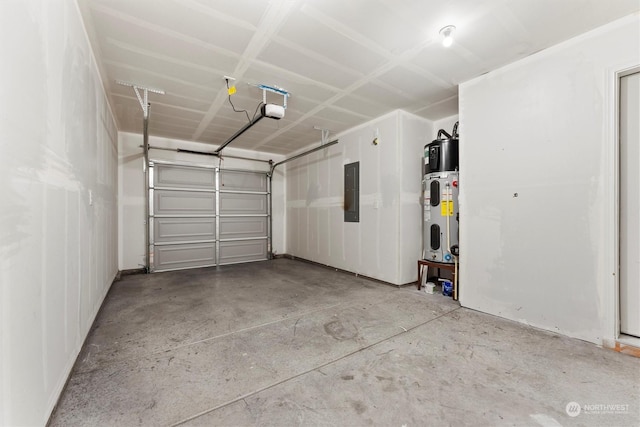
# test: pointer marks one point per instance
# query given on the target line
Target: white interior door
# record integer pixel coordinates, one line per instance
(630, 204)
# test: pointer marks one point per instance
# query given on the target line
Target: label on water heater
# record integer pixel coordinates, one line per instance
(446, 208)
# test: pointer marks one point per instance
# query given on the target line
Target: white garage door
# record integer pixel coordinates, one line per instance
(203, 216)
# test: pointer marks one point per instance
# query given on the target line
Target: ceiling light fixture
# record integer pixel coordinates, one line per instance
(447, 35)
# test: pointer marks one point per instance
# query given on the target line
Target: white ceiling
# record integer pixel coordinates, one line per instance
(343, 61)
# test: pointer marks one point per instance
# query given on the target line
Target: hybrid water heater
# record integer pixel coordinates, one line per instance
(440, 197)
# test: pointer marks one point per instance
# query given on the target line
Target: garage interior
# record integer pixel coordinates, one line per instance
(217, 213)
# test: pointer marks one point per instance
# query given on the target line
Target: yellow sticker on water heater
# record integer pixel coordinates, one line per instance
(446, 208)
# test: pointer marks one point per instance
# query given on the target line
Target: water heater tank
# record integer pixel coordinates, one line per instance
(440, 197)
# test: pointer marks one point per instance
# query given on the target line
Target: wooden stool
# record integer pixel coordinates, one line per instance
(433, 264)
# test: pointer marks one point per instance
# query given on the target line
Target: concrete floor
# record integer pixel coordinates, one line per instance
(289, 343)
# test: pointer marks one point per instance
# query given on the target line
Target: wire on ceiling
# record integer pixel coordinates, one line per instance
(241, 111)
(255, 113)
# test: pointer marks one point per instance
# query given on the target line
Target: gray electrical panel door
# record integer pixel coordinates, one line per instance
(352, 192)
(203, 216)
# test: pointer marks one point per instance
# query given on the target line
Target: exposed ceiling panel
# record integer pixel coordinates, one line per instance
(368, 22)
(343, 61)
(364, 106)
(331, 39)
(385, 94)
(451, 65)
(309, 64)
(239, 11)
(412, 84)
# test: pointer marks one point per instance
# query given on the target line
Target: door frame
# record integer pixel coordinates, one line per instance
(611, 334)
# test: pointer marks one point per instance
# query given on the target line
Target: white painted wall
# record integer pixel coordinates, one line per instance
(386, 243)
(131, 187)
(544, 128)
(413, 134)
(58, 249)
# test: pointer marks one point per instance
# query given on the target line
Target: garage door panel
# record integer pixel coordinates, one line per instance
(173, 257)
(243, 204)
(184, 177)
(242, 181)
(243, 227)
(168, 202)
(206, 216)
(243, 251)
(183, 229)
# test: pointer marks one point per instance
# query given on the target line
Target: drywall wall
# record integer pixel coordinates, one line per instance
(386, 243)
(413, 134)
(58, 216)
(131, 187)
(537, 174)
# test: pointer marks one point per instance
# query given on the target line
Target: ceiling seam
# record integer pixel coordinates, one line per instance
(272, 21)
(434, 104)
(297, 76)
(162, 76)
(199, 7)
(427, 75)
(144, 52)
(466, 54)
(394, 89)
(511, 23)
(345, 31)
(347, 111)
(369, 44)
(162, 30)
(137, 116)
(314, 55)
(364, 99)
(366, 79)
(164, 104)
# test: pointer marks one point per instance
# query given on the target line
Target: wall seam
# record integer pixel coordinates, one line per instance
(399, 150)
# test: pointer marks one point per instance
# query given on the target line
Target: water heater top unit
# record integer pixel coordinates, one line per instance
(441, 155)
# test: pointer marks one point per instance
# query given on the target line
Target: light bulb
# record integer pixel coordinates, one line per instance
(447, 34)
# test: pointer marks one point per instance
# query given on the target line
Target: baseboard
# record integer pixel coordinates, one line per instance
(373, 279)
(130, 272)
(51, 406)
